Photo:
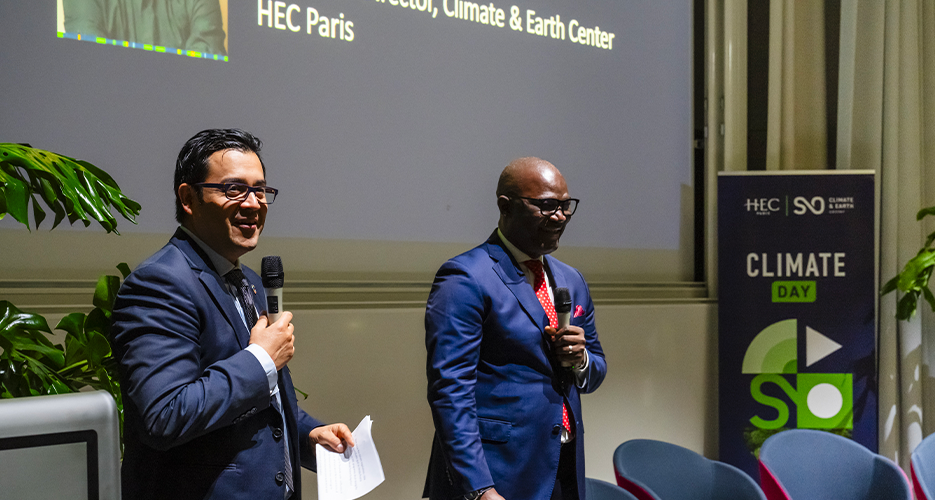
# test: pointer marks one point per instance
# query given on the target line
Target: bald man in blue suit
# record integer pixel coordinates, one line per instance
(499, 374)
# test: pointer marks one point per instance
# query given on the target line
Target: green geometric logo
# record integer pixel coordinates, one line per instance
(773, 350)
(822, 400)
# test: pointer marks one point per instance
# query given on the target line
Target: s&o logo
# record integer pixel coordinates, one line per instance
(816, 205)
(821, 400)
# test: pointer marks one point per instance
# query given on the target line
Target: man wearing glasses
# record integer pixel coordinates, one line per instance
(504, 374)
(210, 410)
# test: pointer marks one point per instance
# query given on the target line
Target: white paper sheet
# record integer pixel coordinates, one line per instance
(352, 474)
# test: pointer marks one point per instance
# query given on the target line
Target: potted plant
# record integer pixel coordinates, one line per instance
(913, 280)
(33, 361)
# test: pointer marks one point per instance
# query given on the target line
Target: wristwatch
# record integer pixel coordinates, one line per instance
(474, 495)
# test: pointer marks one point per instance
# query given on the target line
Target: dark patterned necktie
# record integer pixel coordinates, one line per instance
(542, 293)
(245, 296)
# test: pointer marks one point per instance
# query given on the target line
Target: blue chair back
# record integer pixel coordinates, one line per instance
(656, 470)
(923, 469)
(595, 489)
(803, 464)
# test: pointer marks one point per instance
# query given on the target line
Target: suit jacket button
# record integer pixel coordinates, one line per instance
(556, 429)
(280, 477)
(253, 410)
(277, 433)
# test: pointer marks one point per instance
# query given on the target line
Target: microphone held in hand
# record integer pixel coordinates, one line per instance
(563, 307)
(563, 310)
(272, 275)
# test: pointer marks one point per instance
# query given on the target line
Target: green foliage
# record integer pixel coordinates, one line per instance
(71, 188)
(31, 365)
(913, 280)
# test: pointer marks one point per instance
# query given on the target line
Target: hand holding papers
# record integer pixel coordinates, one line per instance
(352, 474)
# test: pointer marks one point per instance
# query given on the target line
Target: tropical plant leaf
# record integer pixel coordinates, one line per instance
(97, 321)
(906, 307)
(925, 211)
(917, 271)
(73, 324)
(76, 353)
(890, 285)
(105, 292)
(73, 189)
(12, 319)
(16, 199)
(929, 297)
(124, 269)
(98, 348)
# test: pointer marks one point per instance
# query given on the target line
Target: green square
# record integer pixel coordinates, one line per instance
(825, 400)
(794, 291)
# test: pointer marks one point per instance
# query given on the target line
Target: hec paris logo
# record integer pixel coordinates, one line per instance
(763, 206)
(822, 400)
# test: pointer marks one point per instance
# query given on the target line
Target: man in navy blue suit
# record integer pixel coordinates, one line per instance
(210, 410)
(504, 377)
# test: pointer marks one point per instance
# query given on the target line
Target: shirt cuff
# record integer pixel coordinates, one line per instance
(581, 374)
(269, 367)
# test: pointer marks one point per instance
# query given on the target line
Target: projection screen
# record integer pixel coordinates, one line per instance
(385, 122)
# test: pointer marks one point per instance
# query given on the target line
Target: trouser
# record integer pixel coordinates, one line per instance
(566, 480)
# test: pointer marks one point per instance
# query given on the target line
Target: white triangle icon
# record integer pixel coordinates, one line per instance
(817, 346)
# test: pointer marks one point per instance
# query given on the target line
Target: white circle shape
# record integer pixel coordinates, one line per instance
(825, 400)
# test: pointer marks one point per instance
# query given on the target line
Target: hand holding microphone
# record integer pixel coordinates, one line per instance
(568, 343)
(274, 330)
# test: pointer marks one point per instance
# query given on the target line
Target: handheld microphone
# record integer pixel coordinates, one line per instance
(272, 275)
(563, 310)
(563, 307)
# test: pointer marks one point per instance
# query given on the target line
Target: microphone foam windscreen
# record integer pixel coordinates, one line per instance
(562, 300)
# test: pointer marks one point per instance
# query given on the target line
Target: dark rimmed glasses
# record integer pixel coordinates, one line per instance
(239, 192)
(548, 206)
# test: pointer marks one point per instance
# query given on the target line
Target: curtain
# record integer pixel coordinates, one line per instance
(796, 136)
(886, 123)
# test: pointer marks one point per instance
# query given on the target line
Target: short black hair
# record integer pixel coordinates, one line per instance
(191, 167)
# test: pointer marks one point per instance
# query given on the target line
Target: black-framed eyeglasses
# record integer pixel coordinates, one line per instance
(548, 206)
(239, 192)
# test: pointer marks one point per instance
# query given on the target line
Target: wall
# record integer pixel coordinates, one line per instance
(661, 383)
(360, 350)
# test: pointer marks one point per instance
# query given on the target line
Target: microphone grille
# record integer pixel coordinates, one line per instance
(271, 272)
(562, 300)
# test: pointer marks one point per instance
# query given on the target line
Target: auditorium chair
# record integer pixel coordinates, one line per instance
(656, 470)
(803, 464)
(923, 469)
(595, 489)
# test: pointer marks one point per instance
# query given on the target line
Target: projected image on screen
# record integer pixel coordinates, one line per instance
(194, 28)
(383, 120)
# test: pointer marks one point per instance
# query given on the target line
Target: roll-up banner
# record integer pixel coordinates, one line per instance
(796, 308)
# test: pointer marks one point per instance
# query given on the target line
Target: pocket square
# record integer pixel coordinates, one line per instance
(579, 311)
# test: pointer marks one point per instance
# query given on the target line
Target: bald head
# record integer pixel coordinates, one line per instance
(526, 172)
(523, 184)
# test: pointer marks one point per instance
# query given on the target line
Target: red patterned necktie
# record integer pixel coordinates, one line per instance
(542, 293)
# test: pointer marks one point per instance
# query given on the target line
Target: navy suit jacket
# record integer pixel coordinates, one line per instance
(198, 421)
(495, 389)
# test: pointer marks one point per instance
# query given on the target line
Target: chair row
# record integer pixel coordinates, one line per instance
(797, 464)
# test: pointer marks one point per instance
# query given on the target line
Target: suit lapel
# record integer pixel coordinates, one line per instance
(508, 271)
(214, 284)
(555, 273)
